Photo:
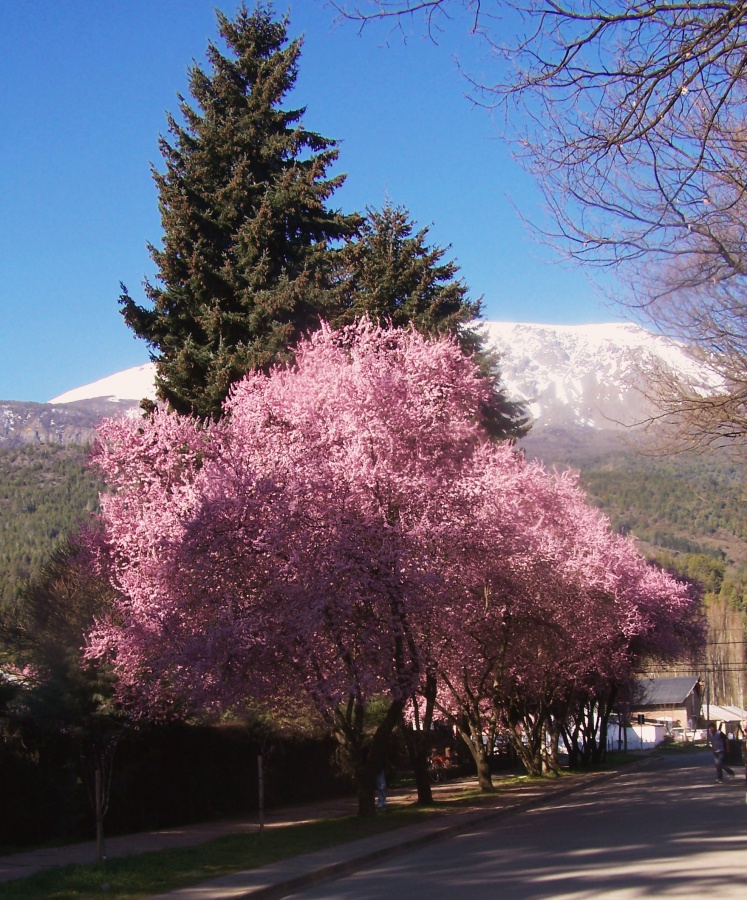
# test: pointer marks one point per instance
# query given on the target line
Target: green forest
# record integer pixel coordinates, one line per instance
(683, 503)
(45, 493)
(688, 512)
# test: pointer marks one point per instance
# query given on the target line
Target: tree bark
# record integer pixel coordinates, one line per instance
(417, 751)
(368, 760)
(417, 742)
(479, 755)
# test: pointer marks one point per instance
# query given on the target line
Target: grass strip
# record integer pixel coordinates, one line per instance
(146, 874)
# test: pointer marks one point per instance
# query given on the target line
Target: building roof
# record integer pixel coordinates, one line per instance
(663, 691)
(716, 713)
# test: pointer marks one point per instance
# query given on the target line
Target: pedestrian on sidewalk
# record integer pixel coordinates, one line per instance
(718, 746)
(381, 789)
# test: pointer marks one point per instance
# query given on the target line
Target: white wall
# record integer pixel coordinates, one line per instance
(639, 737)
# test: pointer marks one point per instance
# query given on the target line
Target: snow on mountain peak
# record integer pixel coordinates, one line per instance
(590, 375)
(568, 375)
(137, 384)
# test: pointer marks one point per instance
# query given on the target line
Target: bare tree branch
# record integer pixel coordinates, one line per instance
(632, 115)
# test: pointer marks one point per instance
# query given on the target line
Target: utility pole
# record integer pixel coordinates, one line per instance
(98, 791)
(261, 776)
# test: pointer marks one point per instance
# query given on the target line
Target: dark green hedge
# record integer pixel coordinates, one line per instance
(161, 776)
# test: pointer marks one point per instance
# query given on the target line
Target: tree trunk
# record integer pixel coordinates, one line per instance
(531, 752)
(417, 751)
(606, 707)
(527, 756)
(570, 738)
(484, 775)
(479, 755)
(417, 741)
(368, 761)
(365, 783)
(552, 754)
(99, 801)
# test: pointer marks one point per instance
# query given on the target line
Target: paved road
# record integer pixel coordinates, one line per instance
(666, 831)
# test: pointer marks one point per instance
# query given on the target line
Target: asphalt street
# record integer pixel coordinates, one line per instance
(665, 831)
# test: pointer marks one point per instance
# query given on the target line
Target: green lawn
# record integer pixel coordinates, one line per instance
(166, 870)
(147, 874)
(159, 872)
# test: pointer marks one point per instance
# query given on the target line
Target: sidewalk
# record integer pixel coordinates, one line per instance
(279, 879)
(21, 865)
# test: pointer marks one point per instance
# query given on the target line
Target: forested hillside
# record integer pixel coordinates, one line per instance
(687, 504)
(690, 511)
(44, 493)
(689, 514)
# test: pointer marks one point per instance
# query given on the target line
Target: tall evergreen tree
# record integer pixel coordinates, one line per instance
(244, 266)
(389, 273)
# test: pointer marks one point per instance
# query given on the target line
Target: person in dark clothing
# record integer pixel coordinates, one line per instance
(718, 746)
(381, 790)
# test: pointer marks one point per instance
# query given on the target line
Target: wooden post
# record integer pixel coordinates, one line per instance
(261, 777)
(99, 804)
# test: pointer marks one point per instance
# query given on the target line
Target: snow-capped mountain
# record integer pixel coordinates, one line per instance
(72, 417)
(131, 384)
(571, 376)
(589, 376)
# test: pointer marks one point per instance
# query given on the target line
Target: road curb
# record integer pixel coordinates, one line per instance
(228, 886)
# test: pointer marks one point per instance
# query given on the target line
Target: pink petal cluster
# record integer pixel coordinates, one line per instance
(347, 529)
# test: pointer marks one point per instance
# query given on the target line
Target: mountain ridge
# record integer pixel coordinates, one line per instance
(588, 377)
(136, 383)
(585, 376)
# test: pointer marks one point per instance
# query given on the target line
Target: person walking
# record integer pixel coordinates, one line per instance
(381, 789)
(718, 746)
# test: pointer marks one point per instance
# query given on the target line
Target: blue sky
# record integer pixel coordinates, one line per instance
(86, 86)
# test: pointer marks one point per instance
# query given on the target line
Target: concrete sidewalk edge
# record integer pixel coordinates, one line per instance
(229, 887)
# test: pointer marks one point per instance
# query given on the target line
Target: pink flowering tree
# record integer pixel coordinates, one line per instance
(346, 533)
(287, 551)
(481, 546)
(555, 611)
(618, 609)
